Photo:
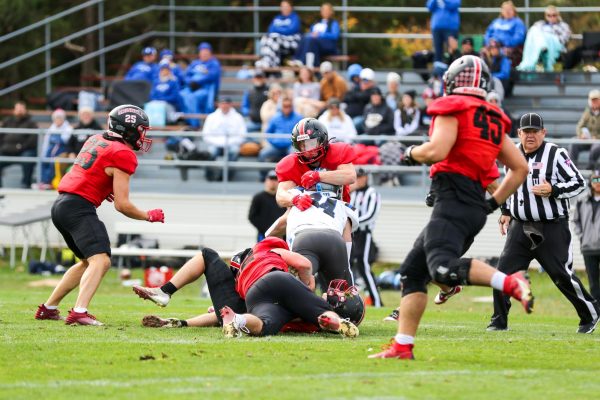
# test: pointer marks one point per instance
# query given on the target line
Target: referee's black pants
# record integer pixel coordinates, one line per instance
(362, 240)
(555, 255)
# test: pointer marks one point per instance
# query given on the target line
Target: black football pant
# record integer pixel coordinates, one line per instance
(361, 247)
(555, 255)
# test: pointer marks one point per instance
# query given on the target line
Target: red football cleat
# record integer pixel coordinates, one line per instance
(443, 297)
(396, 350)
(517, 286)
(75, 318)
(44, 313)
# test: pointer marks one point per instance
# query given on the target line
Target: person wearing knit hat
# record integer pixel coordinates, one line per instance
(378, 117)
(392, 96)
(54, 144)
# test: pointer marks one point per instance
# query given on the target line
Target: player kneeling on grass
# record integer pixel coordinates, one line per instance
(101, 171)
(274, 297)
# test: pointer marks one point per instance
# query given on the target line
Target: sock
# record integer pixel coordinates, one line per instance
(404, 339)
(50, 307)
(80, 310)
(498, 280)
(240, 320)
(168, 288)
(183, 323)
(349, 250)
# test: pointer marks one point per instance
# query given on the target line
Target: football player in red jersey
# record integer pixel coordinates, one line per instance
(101, 171)
(274, 297)
(467, 135)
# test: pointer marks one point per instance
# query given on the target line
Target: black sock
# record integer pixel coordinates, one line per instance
(168, 288)
(183, 323)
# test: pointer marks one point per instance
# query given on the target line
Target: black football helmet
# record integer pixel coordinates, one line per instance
(130, 123)
(346, 301)
(238, 259)
(468, 75)
(310, 140)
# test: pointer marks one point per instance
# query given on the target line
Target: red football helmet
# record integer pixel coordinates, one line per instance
(310, 140)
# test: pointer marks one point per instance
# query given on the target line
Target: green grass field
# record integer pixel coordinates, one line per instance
(540, 357)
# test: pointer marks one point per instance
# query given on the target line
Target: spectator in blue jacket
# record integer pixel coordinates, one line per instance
(499, 64)
(321, 41)
(166, 87)
(145, 70)
(176, 69)
(509, 30)
(283, 122)
(202, 79)
(445, 22)
(281, 39)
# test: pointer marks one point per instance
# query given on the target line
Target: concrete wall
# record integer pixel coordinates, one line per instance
(399, 222)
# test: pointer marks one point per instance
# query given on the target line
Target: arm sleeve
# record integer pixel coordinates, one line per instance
(334, 32)
(504, 69)
(130, 73)
(571, 183)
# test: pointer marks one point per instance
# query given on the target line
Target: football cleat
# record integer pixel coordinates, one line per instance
(85, 318)
(342, 326)
(230, 327)
(44, 313)
(396, 350)
(393, 317)
(152, 321)
(155, 295)
(517, 286)
(443, 297)
(588, 328)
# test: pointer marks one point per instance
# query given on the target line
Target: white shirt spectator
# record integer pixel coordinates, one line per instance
(339, 126)
(219, 124)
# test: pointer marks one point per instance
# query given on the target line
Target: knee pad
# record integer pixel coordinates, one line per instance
(411, 285)
(454, 273)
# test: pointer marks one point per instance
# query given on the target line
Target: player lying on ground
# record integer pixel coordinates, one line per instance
(101, 171)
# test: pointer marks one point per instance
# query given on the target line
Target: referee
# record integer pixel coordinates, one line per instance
(367, 202)
(536, 217)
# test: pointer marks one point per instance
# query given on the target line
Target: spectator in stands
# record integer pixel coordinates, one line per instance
(321, 41)
(282, 123)
(19, 145)
(586, 220)
(306, 92)
(281, 39)
(359, 96)
(179, 73)
(253, 100)
(451, 54)
(392, 97)
(546, 39)
(339, 125)
(332, 84)
(408, 116)
(88, 124)
(145, 70)
(55, 144)
(166, 88)
(202, 79)
(509, 30)
(224, 128)
(353, 74)
(378, 117)
(428, 96)
(264, 210)
(494, 97)
(588, 127)
(467, 48)
(498, 63)
(445, 23)
(271, 105)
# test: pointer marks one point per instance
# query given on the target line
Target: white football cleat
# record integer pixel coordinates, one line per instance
(155, 295)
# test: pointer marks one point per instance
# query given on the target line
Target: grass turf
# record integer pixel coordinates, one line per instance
(541, 356)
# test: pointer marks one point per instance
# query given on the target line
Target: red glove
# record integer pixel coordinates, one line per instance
(302, 202)
(310, 179)
(156, 215)
(110, 198)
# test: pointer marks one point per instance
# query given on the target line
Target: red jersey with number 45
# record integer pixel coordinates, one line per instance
(481, 129)
(290, 169)
(259, 262)
(88, 178)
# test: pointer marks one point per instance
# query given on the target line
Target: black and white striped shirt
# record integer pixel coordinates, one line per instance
(367, 203)
(552, 164)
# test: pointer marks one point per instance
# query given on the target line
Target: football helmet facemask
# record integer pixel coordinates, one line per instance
(346, 301)
(310, 140)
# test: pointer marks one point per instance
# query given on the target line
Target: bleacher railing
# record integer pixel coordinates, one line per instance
(172, 8)
(226, 165)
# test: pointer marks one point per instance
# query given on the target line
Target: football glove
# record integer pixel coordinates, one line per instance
(491, 205)
(310, 179)
(156, 215)
(302, 202)
(407, 159)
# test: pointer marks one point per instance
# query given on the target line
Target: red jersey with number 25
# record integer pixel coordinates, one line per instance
(481, 129)
(290, 169)
(87, 178)
(259, 262)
